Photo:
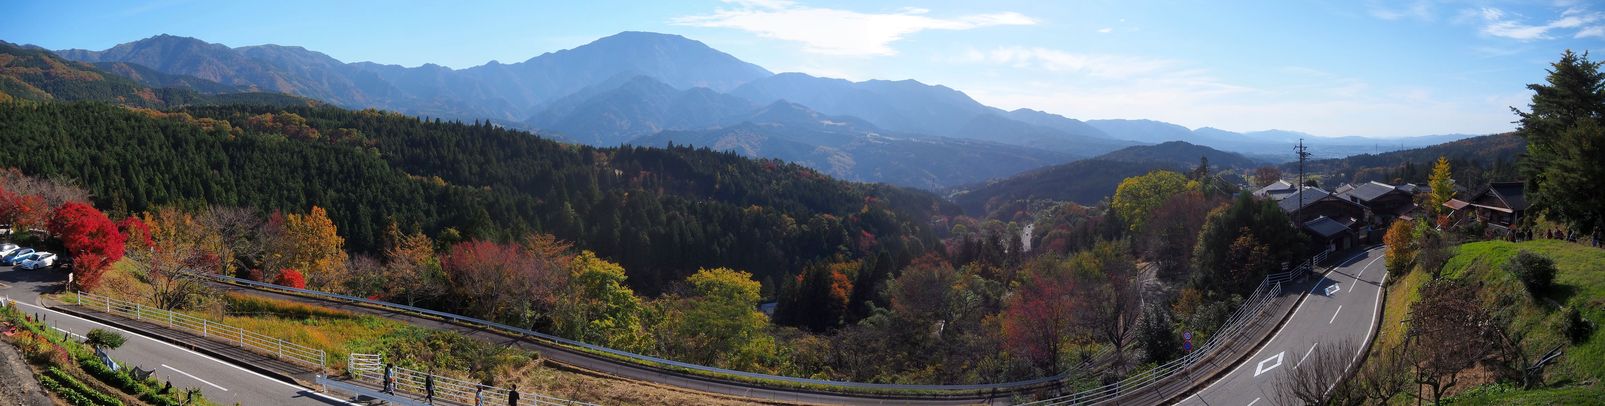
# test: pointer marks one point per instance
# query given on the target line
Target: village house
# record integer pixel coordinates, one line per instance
(1500, 204)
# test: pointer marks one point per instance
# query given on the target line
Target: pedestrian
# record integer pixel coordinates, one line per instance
(512, 396)
(390, 379)
(429, 389)
(479, 396)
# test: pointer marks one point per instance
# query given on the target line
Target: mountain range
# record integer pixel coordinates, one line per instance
(654, 89)
(1091, 180)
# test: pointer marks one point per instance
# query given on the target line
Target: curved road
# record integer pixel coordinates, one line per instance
(1342, 306)
(220, 381)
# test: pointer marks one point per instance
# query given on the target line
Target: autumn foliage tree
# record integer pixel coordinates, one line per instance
(598, 308)
(512, 282)
(90, 236)
(718, 323)
(1266, 175)
(1443, 188)
(292, 278)
(817, 299)
(1137, 197)
(1401, 246)
(182, 251)
(1039, 317)
(311, 243)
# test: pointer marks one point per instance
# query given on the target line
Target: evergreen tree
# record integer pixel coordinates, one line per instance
(1565, 160)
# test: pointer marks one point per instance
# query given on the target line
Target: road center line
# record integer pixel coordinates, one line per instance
(1256, 400)
(1350, 261)
(199, 355)
(1334, 314)
(193, 377)
(1306, 355)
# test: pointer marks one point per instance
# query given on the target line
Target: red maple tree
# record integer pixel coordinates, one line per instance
(292, 278)
(90, 237)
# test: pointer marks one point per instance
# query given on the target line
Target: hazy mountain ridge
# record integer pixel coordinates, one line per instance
(1092, 180)
(850, 148)
(594, 94)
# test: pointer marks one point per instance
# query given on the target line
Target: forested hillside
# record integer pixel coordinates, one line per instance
(33, 74)
(660, 212)
(1476, 161)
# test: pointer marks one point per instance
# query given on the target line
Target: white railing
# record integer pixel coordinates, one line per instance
(216, 331)
(1249, 314)
(370, 368)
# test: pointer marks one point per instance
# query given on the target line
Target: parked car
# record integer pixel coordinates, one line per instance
(39, 260)
(7, 248)
(14, 257)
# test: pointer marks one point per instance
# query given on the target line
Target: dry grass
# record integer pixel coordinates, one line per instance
(557, 382)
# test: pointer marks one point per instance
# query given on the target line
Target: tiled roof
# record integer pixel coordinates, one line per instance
(1325, 227)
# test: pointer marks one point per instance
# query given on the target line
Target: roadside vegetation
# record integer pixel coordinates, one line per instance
(69, 369)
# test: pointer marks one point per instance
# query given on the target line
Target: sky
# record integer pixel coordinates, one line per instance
(1329, 68)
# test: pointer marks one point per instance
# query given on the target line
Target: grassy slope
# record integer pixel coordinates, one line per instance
(1581, 283)
(340, 333)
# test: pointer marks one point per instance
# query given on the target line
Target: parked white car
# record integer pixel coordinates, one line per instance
(16, 256)
(39, 260)
(8, 248)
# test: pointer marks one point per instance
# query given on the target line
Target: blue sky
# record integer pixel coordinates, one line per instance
(1354, 67)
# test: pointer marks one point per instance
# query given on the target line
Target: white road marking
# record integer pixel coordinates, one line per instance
(203, 356)
(1261, 368)
(69, 332)
(1256, 400)
(195, 378)
(1333, 288)
(1295, 314)
(1334, 314)
(1306, 355)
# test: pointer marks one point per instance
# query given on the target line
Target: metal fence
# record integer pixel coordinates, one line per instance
(242, 338)
(369, 368)
(1250, 313)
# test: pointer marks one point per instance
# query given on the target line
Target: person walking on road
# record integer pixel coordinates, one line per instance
(512, 396)
(429, 389)
(390, 379)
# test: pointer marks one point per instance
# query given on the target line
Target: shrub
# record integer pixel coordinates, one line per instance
(106, 339)
(1536, 272)
(291, 278)
(1575, 326)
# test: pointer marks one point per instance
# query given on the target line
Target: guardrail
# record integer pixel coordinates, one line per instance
(370, 368)
(242, 338)
(647, 360)
(1248, 314)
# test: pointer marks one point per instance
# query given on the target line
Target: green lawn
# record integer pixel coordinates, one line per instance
(1580, 283)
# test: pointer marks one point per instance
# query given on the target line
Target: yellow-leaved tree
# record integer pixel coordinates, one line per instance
(1138, 196)
(314, 247)
(1443, 188)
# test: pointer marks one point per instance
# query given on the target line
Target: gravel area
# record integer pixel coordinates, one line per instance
(20, 388)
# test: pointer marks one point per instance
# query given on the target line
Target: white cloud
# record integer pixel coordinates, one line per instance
(1419, 10)
(1105, 30)
(1597, 31)
(1497, 24)
(1304, 98)
(1052, 60)
(840, 32)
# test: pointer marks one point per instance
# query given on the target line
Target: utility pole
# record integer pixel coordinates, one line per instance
(1303, 154)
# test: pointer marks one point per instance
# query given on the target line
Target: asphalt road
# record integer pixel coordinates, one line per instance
(220, 381)
(1342, 306)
